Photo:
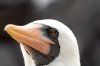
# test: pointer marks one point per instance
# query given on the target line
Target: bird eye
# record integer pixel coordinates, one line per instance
(52, 32)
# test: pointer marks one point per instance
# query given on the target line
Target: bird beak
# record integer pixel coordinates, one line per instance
(32, 37)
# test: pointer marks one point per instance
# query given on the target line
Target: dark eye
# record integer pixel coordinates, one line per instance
(52, 32)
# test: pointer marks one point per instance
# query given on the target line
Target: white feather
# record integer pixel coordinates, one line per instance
(27, 59)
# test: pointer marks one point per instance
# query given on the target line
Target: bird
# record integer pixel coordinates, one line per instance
(46, 42)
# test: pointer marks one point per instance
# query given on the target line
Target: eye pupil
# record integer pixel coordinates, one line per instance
(52, 32)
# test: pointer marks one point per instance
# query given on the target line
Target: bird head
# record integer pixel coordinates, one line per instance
(47, 42)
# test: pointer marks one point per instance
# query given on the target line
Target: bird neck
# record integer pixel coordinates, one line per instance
(63, 60)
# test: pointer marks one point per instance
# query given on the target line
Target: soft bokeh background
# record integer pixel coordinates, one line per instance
(81, 16)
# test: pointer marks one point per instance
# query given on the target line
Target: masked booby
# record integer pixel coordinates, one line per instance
(46, 42)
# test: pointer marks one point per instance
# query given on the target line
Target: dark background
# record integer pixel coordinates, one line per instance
(81, 16)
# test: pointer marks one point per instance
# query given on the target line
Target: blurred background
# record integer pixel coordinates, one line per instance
(81, 16)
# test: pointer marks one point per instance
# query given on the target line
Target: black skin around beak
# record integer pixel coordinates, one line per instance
(45, 59)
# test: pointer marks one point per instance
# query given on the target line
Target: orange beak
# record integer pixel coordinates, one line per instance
(32, 37)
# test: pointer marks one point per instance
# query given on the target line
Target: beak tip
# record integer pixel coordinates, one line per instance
(7, 27)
